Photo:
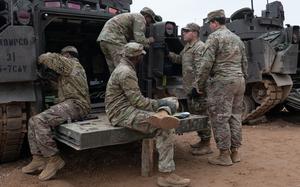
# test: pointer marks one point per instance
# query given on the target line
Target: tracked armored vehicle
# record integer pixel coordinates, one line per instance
(29, 28)
(273, 58)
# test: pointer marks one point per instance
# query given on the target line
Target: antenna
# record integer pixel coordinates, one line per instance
(252, 6)
(267, 9)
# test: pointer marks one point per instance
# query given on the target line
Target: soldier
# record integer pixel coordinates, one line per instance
(127, 107)
(74, 103)
(122, 28)
(189, 57)
(224, 64)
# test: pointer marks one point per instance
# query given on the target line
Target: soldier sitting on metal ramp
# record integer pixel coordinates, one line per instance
(126, 106)
(74, 104)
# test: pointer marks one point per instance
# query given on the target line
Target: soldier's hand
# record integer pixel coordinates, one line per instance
(167, 50)
(43, 57)
(151, 40)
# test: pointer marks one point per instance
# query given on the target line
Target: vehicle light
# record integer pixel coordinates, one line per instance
(52, 4)
(23, 17)
(170, 28)
(23, 14)
(73, 5)
(112, 10)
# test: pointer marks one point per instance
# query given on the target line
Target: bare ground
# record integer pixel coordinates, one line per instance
(270, 158)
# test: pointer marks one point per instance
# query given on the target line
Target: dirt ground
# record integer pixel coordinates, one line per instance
(270, 157)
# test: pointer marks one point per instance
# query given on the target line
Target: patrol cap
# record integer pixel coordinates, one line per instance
(215, 14)
(149, 12)
(191, 27)
(158, 18)
(132, 49)
(69, 49)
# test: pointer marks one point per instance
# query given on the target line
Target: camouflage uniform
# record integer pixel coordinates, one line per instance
(74, 103)
(224, 63)
(189, 57)
(127, 107)
(117, 32)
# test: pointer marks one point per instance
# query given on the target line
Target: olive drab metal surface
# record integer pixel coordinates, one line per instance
(99, 132)
(17, 54)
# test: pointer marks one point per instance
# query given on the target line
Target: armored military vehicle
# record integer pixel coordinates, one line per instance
(29, 28)
(273, 58)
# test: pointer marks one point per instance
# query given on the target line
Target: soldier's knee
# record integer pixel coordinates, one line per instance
(34, 121)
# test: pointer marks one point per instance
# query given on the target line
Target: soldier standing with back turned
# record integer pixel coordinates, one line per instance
(121, 29)
(224, 64)
(189, 57)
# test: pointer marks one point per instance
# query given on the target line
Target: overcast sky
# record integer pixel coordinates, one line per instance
(186, 11)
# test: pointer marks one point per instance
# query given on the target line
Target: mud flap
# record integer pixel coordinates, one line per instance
(282, 80)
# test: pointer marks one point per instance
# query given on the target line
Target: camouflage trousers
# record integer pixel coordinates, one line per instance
(225, 100)
(198, 105)
(164, 138)
(40, 126)
(112, 53)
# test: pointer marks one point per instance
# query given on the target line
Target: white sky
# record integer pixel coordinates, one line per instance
(186, 11)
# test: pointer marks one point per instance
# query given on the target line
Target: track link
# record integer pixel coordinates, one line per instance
(273, 96)
(12, 130)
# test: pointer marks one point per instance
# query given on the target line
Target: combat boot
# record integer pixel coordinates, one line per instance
(203, 149)
(163, 120)
(38, 163)
(196, 145)
(54, 164)
(173, 180)
(235, 157)
(222, 159)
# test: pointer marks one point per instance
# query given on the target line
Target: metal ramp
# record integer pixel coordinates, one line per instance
(99, 133)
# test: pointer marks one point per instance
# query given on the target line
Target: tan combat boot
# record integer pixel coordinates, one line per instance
(196, 145)
(223, 159)
(235, 157)
(173, 180)
(38, 163)
(163, 120)
(203, 149)
(54, 164)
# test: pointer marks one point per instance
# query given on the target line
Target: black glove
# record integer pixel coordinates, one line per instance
(171, 105)
(193, 93)
(166, 50)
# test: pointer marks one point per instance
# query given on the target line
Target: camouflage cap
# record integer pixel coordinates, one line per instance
(158, 18)
(215, 14)
(69, 49)
(149, 12)
(132, 49)
(192, 27)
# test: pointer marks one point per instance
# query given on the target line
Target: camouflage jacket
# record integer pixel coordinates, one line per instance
(188, 57)
(72, 81)
(123, 28)
(123, 95)
(223, 58)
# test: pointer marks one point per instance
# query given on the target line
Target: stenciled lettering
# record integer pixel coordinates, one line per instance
(14, 42)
